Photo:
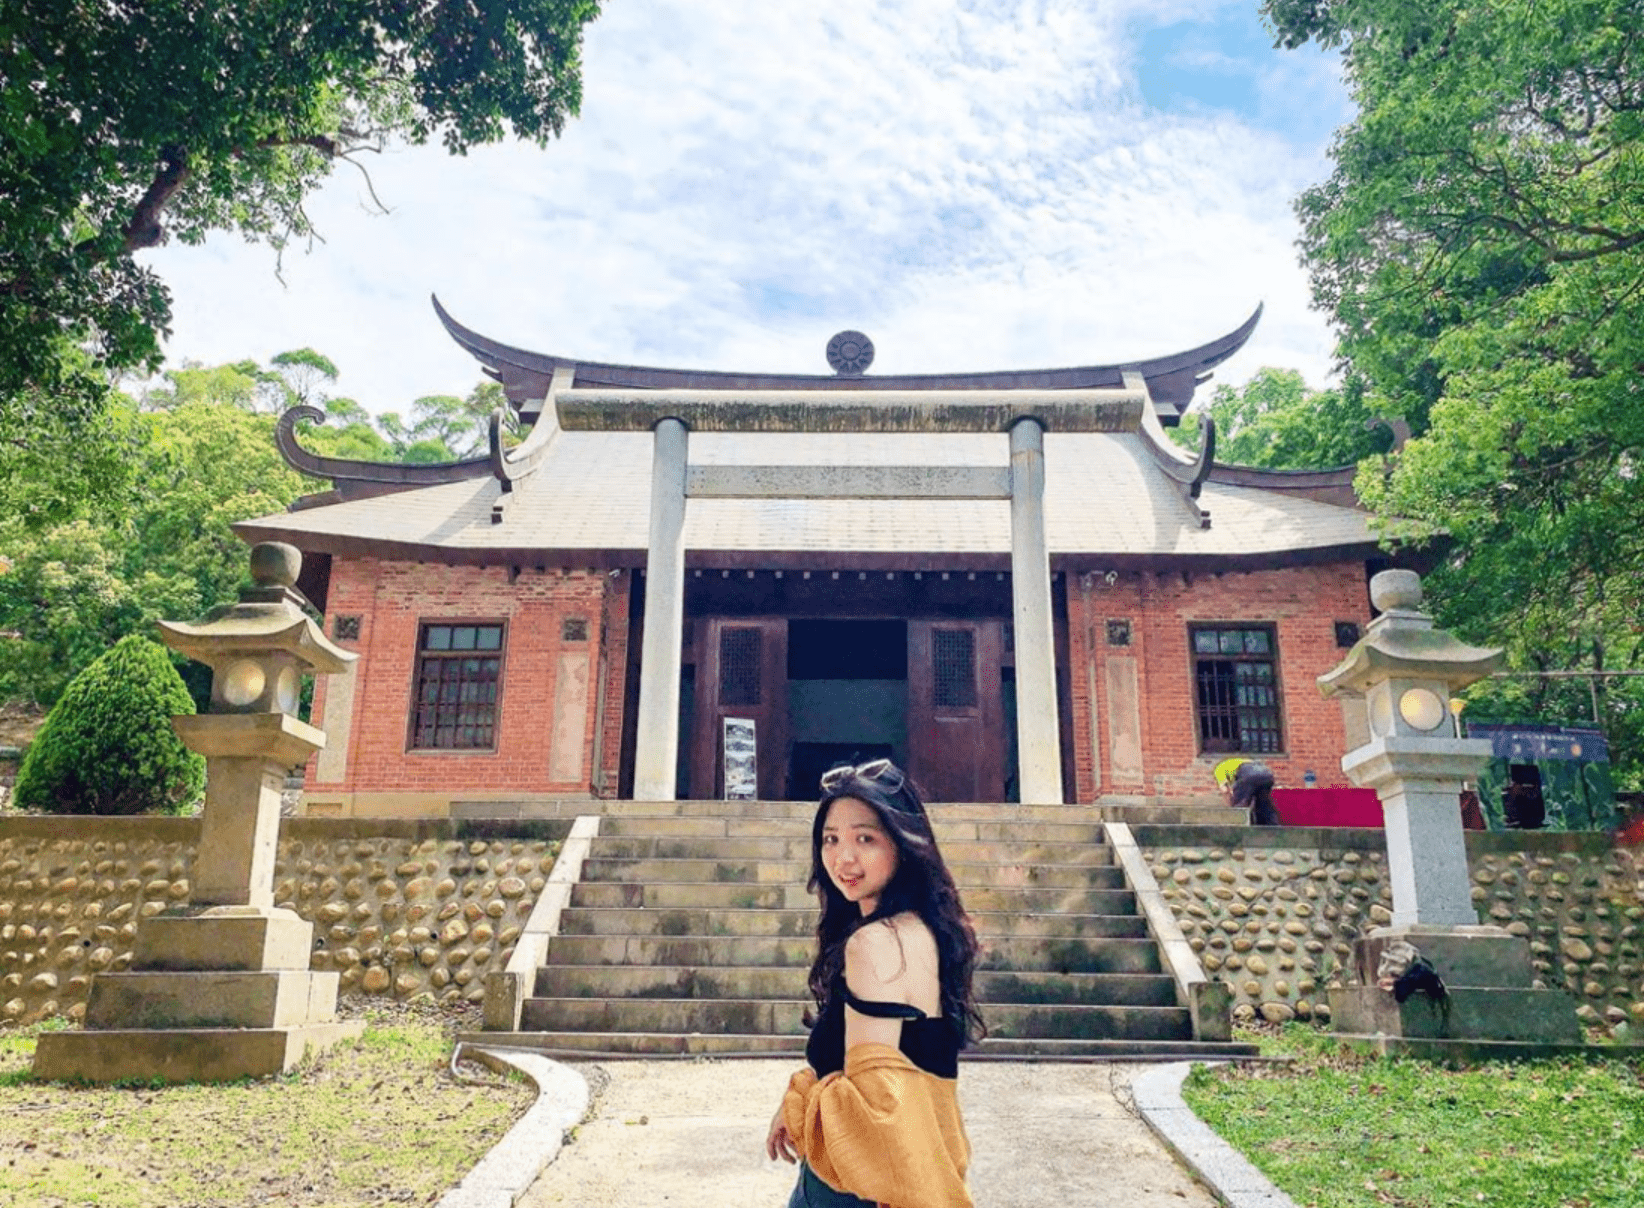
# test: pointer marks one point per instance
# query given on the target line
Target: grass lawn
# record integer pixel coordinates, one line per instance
(1335, 1129)
(376, 1121)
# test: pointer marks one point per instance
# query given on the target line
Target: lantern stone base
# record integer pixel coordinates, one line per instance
(182, 1054)
(277, 998)
(1489, 992)
(212, 995)
(224, 937)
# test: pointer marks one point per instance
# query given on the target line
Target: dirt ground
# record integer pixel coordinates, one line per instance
(18, 724)
(691, 1134)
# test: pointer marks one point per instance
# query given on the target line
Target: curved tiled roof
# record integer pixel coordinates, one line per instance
(1106, 497)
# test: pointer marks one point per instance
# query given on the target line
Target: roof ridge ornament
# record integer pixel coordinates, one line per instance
(850, 353)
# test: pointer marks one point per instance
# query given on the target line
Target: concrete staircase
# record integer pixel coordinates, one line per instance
(690, 932)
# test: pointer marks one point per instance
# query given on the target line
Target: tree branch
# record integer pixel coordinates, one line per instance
(144, 229)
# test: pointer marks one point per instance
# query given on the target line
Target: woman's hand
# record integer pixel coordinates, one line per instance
(778, 1142)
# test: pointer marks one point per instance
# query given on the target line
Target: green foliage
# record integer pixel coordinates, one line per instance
(164, 548)
(1480, 245)
(1276, 423)
(123, 126)
(197, 456)
(444, 427)
(108, 747)
(1337, 1129)
(57, 451)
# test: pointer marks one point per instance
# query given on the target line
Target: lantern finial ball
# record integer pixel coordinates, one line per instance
(275, 564)
(1395, 589)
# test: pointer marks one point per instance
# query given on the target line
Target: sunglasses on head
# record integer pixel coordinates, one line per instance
(881, 771)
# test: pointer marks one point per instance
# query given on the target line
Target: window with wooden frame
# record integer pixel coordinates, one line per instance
(1236, 688)
(459, 670)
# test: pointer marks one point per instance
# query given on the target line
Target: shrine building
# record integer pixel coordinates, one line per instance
(1012, 583)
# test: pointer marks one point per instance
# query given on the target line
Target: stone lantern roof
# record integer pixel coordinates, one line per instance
(266, 619)
(1404, 642)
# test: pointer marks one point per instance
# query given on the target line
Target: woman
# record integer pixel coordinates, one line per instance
(875, 1116)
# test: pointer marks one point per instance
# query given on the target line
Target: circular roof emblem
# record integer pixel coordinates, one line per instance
(850, 353)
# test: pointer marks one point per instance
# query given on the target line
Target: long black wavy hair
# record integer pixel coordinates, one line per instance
(922, 884)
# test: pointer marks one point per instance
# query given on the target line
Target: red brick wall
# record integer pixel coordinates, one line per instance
(393, 598)
(1302, 603)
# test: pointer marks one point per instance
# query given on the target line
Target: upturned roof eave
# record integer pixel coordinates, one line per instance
(511, 365)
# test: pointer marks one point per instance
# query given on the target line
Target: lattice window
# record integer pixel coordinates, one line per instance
(459, 668)
(741, 659)
(953, 668)
(1236, 689)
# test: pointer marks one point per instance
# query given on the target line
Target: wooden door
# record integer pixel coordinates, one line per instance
(956, 738)
(741, 671)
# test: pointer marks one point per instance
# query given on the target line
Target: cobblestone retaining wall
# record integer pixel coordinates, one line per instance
(400, 908)
(1274, 913)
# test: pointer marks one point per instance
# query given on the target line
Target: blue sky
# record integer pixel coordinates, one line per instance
(976, 185)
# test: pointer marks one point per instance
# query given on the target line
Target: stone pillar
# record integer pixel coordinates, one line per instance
(1038, 726)
(656, 749)
(1426, 846)
(247, 758)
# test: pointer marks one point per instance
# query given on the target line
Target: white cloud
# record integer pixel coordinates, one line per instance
(976, 186)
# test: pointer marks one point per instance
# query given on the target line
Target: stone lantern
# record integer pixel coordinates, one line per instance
(1407, 670)
(221, 988)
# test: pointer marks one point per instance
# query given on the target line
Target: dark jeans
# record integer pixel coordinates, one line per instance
(812, 1192)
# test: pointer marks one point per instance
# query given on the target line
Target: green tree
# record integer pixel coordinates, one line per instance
(1276, 422)
(1480, 246)
(123, 125)
(56, 453)
(108, 747)
(167, 550)
(306, 375)
(444, 427)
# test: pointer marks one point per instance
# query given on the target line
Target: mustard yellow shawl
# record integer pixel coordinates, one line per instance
(883, 1129)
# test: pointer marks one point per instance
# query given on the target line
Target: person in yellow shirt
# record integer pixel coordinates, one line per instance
(874, 1119)
(1247, 784)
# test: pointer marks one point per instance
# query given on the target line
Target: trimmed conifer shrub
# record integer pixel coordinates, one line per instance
(107, 746)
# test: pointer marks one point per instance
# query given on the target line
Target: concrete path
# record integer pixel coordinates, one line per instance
(691, 1134)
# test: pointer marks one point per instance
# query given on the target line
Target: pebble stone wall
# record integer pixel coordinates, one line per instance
(400, 909)
(406, 909)
(1274, 914)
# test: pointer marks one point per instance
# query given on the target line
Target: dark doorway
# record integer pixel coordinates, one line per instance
(847, 696)
(811, 759)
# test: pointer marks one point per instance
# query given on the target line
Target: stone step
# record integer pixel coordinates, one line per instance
(796, 848)
(574, 1046)
(671, 981)
(947, 832)
(1137, 810)
(746, 922)
(712, 895)
(797, 872)
(788, 983)
(1022, 955)
(775, 1017)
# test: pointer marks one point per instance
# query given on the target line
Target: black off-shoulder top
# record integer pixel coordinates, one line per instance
(932, 1044)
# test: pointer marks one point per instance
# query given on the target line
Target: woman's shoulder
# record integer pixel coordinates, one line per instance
(893, 934)
(885, 951)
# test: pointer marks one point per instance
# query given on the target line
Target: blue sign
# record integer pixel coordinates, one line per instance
(1536, 744)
